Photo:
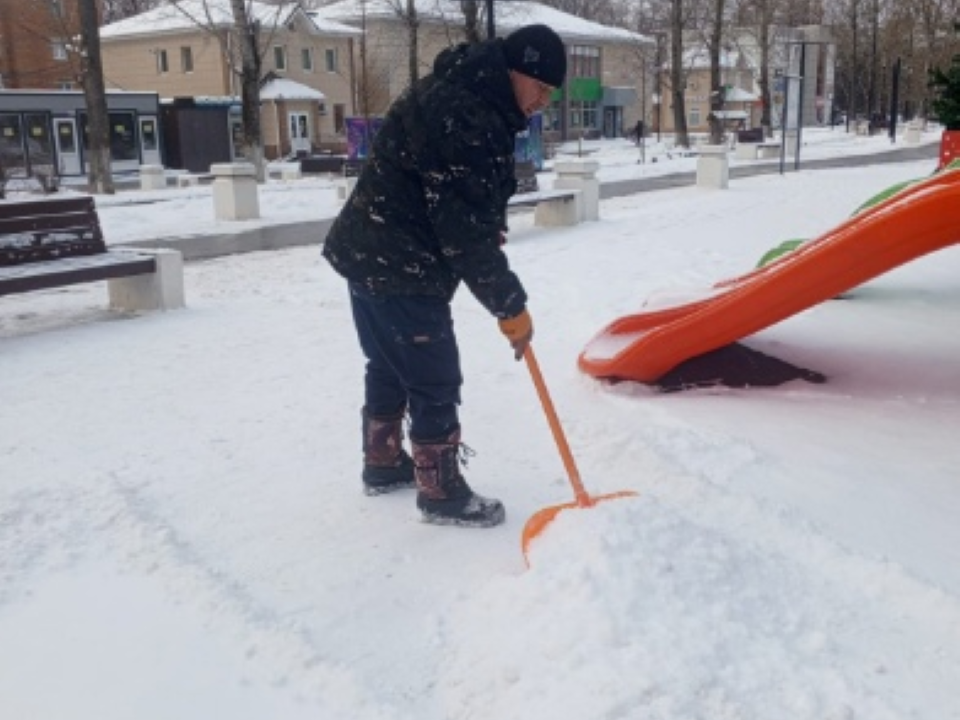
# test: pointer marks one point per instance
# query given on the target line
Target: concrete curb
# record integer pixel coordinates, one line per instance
(313, 232)
(265, 237)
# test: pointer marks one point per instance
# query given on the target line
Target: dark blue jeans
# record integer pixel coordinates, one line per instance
(412, 359)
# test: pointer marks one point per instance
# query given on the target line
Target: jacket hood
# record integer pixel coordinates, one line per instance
(481, 68)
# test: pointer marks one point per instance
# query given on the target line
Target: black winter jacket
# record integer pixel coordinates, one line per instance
(429, 206)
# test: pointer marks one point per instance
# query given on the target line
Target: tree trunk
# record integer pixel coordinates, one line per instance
(247, 35)
(677, 80)
(766, 97)
(98, 118)
(471, 21)
(717, 91)
(413, 27)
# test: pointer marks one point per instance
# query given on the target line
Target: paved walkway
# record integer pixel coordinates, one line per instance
(275, 237)
(901, 153)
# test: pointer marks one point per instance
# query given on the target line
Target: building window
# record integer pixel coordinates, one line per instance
(339, 118)
(59, 49)
(162, 64)
(585, 61)
(148, 135)
(123, 136)
(279, 57)
(306, 59)
(694, 119)
(551, 116)
(584, 114)
(65, 85)
(186, 59)
(330, 55)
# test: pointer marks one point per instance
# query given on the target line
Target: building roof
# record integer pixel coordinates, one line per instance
(736, 94)
(507, 16)
(698, 58)
(278, 88)
(172, 17)
(731, 114)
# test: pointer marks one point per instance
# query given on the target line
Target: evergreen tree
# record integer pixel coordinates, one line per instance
(946, 85)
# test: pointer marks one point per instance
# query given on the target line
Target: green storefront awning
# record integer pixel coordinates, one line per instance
(588, 89)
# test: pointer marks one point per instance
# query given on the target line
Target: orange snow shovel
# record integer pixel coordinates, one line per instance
(540, 520)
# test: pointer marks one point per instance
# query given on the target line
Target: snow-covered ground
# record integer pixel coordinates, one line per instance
(182, 533)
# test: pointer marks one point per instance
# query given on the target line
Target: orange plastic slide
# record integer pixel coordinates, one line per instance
(920, 219)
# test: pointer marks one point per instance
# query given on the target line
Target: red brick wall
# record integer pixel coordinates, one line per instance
(27, 30)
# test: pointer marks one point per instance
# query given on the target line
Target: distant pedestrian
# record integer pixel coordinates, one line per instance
(638, 132)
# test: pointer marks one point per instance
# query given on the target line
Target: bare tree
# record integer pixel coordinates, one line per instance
(98, 118)
(758, 15)
(246, 34)
(244, 42)
(471, 20)
(714, 46)
(677, 75)
(114, 10)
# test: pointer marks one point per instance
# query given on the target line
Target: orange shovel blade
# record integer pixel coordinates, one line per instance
(541, 519)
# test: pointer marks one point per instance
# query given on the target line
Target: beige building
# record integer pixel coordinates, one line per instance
(739, 73)
(603, 94)
(741, 107)
(188, 50)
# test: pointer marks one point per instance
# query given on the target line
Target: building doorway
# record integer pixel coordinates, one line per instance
(68, 149)
(299, 133)
(149, 141)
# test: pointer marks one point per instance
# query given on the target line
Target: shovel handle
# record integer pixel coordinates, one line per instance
(583, 499)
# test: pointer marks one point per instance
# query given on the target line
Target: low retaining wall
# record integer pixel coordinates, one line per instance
(265, 237)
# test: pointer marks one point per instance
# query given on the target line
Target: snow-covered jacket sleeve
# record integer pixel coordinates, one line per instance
(466, 184)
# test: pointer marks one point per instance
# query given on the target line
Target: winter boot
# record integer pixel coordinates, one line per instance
(443, 496)
(386, 466)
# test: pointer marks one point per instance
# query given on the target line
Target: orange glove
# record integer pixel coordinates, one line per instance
(519, 331)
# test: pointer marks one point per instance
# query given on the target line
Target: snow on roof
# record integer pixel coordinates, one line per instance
(739, 95)
(698, 58)
(731, 114)
(507, 16)
(182, 15)
(286, 89)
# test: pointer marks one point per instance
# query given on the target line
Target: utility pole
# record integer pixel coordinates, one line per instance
(491, 26)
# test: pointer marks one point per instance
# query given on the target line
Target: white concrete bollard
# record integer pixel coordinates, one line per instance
(152, 177)
(580, 174)
(163, 290)
(911, 136)
(235, 191)
(291, 171)
(345, 187)
(713, 167)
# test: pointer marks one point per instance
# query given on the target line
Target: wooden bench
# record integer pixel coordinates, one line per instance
(351, 171)
(53, 243)
(322, 165)
(553, 208)
(526, 174)
(757, 150)
(353, 167)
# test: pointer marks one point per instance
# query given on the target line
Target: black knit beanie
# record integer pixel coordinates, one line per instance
(537, 51)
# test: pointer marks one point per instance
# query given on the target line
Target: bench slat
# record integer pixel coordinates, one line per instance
(535, 198)
(73, 270)
(64, 221)
(41, 230)
(45, 207)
